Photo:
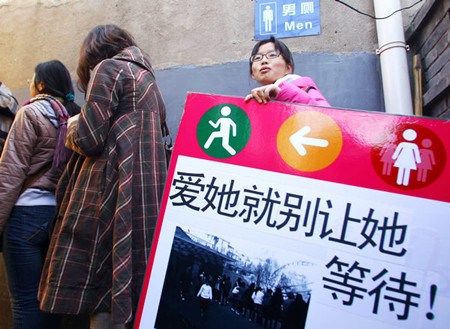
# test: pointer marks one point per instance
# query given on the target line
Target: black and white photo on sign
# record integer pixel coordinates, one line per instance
(215, 281)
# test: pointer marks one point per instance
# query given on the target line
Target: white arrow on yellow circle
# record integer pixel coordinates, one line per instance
(298, 139)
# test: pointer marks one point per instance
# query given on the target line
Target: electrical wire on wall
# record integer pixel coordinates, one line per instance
(374, 17)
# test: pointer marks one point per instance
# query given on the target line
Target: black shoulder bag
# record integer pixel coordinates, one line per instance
(168, 145)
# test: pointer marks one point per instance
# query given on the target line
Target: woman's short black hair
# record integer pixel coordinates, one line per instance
(279, 45)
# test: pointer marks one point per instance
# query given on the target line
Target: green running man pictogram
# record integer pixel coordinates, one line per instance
(223, 131)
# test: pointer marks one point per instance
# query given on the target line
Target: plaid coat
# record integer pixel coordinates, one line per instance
(109, 194)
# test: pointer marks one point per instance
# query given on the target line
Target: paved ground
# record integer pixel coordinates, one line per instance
(185, 314)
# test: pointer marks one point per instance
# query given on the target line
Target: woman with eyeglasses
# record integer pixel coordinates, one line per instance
(272, 65)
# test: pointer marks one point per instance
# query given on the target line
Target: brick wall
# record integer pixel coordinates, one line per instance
(428, 36)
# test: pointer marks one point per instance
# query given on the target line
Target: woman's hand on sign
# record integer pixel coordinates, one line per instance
(263, 94)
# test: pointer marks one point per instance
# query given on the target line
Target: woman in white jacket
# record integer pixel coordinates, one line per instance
(205, 294)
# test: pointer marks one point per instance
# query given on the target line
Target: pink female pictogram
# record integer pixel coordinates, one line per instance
(428, 160)
(386, 158)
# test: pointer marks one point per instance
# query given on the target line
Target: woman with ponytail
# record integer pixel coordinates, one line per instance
(32, 161)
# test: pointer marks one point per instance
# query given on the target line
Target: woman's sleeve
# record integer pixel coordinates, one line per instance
(89, 134)
(301, 91)
(15, 162)
(200, 291)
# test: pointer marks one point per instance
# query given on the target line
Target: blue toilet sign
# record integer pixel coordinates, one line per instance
(286, 18)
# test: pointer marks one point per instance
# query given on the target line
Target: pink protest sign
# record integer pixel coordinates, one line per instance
(341, 212)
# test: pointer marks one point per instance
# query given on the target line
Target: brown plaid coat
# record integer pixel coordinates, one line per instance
(109, 194)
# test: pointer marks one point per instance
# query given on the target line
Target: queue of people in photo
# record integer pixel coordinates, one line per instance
(270, 308)
(80, 187)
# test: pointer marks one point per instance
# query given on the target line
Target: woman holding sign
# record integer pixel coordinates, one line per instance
(272, 65)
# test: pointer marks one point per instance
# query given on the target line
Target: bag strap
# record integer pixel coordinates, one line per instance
(166, 135)
(168, 144)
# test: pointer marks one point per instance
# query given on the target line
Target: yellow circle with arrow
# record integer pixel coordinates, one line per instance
(309, 141)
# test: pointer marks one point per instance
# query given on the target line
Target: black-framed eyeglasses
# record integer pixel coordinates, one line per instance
(269, 55)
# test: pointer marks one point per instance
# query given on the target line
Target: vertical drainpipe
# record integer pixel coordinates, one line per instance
(392, 50)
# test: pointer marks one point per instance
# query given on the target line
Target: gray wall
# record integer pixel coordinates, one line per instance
(347, 81)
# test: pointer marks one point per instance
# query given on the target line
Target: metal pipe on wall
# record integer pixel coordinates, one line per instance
(392, 51)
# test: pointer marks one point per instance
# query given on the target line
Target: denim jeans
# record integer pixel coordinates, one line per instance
(25, 244)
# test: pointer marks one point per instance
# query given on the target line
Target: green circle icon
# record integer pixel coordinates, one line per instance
(223, 131)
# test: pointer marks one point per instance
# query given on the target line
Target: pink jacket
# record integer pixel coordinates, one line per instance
(301, 90)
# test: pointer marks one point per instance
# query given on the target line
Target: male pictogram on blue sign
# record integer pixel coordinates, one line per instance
(286, 18)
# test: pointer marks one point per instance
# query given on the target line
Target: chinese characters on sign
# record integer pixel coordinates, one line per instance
(286, 18)
(289, 211)
(352, 281)
(368, 241)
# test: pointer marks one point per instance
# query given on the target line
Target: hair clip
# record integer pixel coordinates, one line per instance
(70, 97)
